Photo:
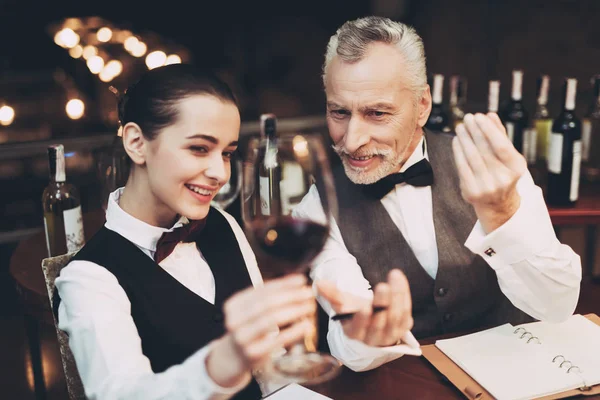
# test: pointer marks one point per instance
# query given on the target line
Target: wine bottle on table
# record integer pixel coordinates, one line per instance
(515, 117)
(63, 221)
(564, 152)
(438, 119)
(590, 136)
(270, 169)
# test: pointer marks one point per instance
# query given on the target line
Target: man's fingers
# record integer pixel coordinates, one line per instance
(468, 182)
(400, 307)
(501, 144)
(496, 120)
(475, 130)
(356, 328)
(376, 330)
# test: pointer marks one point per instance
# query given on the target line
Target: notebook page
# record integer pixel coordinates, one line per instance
(577, 339)
(506, 366)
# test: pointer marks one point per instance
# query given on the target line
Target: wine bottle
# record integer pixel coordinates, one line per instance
(515, 116)
(438, 119)
(590, 136)
(458, 99)
(270, 168)
(63, 221)
(493, 96)
(541, 119)
(564, 152)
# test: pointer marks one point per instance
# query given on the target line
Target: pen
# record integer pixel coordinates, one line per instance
(345, 316)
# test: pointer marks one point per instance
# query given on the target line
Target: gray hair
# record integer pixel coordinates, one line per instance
(352, 39)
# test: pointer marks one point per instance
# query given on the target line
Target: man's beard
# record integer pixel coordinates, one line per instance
(390, 160)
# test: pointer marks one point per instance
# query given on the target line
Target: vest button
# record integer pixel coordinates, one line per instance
(442, 292)
(218, 317)
(447, 317)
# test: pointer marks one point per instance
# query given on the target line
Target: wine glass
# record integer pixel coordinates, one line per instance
(230, 191)
(278, 174)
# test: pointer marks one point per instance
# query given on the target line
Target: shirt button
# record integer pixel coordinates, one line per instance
(442, 292)
(489, 252)
(447, 317)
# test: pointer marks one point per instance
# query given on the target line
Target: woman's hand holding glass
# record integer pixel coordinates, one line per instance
(252, 319)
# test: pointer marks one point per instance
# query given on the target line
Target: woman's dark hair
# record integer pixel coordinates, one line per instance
(151, 102)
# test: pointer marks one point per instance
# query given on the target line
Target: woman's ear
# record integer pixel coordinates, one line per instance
(134, 143)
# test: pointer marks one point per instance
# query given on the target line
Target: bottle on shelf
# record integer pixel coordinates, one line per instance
(438, 119)
(63, 221)
(590, 136)
(564, 152)
(493, 96)
(541, 119)
(514, 116)
(270, 169)
(458, 99)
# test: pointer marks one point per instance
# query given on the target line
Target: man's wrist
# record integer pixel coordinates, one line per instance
(494, 216)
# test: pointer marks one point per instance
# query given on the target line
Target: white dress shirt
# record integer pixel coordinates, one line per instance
(96, 314)
(537, 273)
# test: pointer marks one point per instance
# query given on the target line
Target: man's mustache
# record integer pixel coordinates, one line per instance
(342, 151)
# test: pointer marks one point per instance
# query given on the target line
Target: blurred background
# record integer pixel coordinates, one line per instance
(58, 60)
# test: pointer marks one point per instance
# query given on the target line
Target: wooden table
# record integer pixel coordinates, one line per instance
(389, 381)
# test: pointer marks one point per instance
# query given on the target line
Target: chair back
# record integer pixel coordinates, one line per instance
(51, 267)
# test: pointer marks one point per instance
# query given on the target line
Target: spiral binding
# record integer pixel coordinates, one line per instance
(527, 333)
(563, 362)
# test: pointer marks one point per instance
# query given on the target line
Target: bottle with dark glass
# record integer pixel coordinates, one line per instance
(493, 96)
(514, 116)
(590, 135)
(270, 169)
(458, 99)
(63, 221)
(438, 119)
(564, 152)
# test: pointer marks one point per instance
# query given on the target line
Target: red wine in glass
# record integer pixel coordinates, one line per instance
(289, 243)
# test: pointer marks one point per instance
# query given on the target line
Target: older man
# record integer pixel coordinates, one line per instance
(460, 216)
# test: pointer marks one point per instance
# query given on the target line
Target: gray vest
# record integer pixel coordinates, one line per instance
(465, 294)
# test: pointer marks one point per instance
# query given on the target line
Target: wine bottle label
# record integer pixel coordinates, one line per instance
(586, 134)
(543, 128)
(529, 145)
(510, 131)
(292, 186)
(438, 86)
(74, 229)
(494, 92)
(265, 204)
(574, 192)
(555, 153)
(517, 84)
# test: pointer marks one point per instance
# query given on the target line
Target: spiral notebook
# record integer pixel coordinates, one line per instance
(528, 361)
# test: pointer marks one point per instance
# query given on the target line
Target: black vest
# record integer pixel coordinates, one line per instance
(172, 321)
(465, 294)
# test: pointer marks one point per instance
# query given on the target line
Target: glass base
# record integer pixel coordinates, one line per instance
(306, 368)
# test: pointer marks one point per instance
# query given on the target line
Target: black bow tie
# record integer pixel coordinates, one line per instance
(419, 174)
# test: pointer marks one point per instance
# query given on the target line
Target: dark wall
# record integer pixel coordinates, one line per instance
(485, 40)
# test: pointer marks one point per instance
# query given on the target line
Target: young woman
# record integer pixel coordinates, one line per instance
(166, 300)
